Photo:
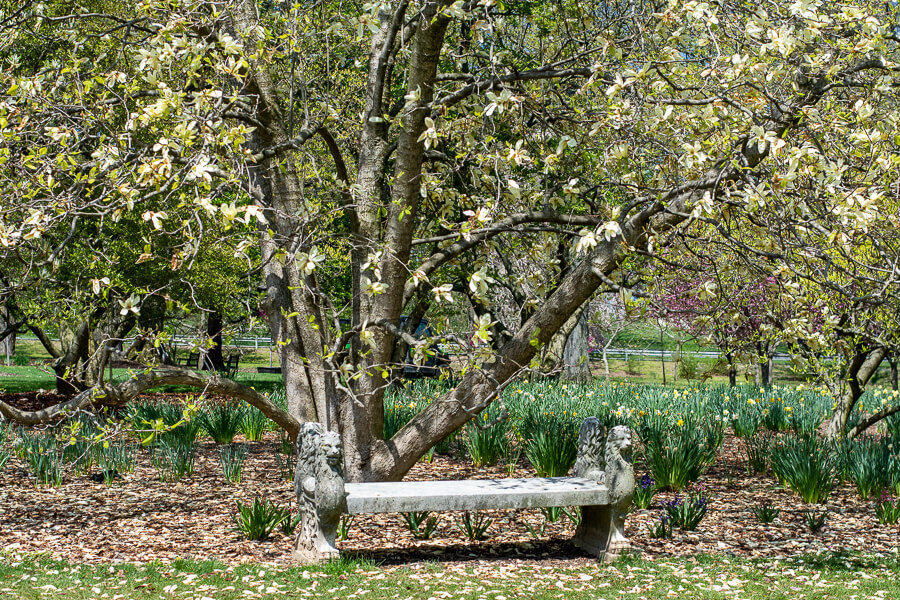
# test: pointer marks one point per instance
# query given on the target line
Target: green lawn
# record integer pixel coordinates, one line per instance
(26, 379)
(695, 577)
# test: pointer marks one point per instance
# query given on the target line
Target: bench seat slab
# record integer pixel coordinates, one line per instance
(414, 496)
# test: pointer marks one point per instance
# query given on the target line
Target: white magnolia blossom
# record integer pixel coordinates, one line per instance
(587, 239)
(442, 293)
(610, 230)
(130, 304)
(373, 288)
(478, 283)
(155, 217)
(308, 262)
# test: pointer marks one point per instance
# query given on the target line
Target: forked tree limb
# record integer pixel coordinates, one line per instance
(121, 393)
(872, 419)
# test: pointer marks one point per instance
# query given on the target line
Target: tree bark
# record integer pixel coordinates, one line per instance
(576, 358)
(119, 394)
(214, 360)
(859, 371)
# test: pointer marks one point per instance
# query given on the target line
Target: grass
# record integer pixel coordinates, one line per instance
(703, 576)
(29, 379)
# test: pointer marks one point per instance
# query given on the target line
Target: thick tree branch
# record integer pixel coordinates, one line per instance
(121, 393)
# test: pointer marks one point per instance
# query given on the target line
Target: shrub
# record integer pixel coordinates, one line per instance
(805, 417)
(870, 467)
(807, 466)
(688, 366)
(222, 421)
(552, 450)
(815, 520)
(774, 416)
(173, 461)
(633, 366)
(114, 459)
(887, 509)
(486, 445)
(421, 524)
(688, 512)
(256, 521)
(765, 513)
(254, 423)
(231, 457)
(21, 360)
(661, 528)
(474, 528)
(757, 451)
(678, 455)
(44, 457)
(644, 492)
(746, 423)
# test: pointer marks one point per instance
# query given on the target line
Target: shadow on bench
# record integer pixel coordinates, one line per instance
(603, 493)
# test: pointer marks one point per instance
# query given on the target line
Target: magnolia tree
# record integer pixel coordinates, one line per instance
(409, 144)
(718, 304)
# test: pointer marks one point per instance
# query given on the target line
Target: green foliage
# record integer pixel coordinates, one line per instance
(286, 464)
(231, 457)
(746, 423)
(474, 528)
(289, 523)
(815, 519)
(257, 521)
(44, 456)
(420, 524)
(21, 360)
(807, 465)
(774, 416)
(871, 466)
(688, 366)
(254, 424)
(644, 492)
(765, 513)
(887, 509)
(805, 418)
(677, 456)
(687, 512)
(552, 449)
(222, 421)
(343, 530)
(487, 443)
(173, 461)
(116, 458)
(757, 449)
(662, 527)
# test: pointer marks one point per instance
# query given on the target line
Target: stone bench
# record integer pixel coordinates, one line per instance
(604, 495)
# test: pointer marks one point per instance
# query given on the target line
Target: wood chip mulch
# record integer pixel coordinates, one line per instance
(140, 519)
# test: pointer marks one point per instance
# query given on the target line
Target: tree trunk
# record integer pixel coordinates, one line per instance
(214, 360)
(893, 362)
(662, 353)
(765, 373)
(576, 357)
(859, 371)
(732, 370)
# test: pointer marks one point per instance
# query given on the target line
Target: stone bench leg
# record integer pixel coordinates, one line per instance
(319, 485)
(602, 528)
(601, 532)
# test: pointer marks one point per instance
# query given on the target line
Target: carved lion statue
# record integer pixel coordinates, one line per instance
(590, 462)
(319, 485)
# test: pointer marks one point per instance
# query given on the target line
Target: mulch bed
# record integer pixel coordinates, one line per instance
(140, 519)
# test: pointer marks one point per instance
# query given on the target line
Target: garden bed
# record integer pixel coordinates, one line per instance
(140, 519)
